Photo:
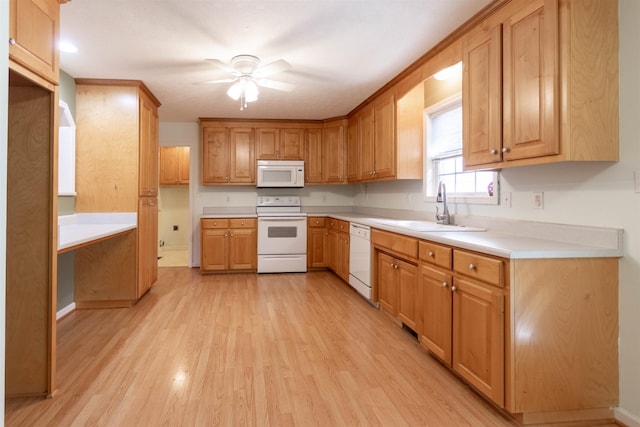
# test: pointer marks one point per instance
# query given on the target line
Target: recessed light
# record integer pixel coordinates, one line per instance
(67, 47)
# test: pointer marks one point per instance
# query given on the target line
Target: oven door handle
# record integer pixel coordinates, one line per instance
(282, 218)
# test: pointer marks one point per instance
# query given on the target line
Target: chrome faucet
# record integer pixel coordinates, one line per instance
(445, 218)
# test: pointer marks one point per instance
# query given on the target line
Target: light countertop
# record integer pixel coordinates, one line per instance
(569, 242)
(82, 229)
(512, 239)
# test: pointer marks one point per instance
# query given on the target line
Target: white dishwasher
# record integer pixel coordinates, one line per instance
(360, 259)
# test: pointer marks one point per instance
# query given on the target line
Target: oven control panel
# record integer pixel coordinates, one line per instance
(278, 201)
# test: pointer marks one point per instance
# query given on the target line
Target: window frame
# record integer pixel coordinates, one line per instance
(429, 187)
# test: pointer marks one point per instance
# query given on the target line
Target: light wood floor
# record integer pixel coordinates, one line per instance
(247, 350)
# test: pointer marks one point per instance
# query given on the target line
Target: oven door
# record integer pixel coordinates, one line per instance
(282, 235)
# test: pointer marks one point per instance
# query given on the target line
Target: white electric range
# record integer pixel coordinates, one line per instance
(282, 235)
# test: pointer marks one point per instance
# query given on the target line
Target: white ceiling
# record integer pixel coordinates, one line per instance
(340, 51)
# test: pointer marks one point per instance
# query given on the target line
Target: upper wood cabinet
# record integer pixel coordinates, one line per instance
(372, 144)
(334, 153)
(280, 144)
(148, 156)
(228, 154)
(174, 165)
(116, 145)
(531, 66)
(34, 27)
(313, 156)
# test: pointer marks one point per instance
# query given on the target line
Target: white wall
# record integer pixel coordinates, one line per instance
(4, 64)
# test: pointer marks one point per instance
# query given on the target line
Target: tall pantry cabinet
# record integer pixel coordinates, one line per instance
(32, 159)
(117, 171)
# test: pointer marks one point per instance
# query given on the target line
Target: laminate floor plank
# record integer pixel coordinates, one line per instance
(248, 350)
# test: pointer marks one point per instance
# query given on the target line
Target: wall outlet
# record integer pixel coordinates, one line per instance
(175, 228)
(505, 197)
(538, 200)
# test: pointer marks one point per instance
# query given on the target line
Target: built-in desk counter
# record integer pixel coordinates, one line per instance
(78, 230)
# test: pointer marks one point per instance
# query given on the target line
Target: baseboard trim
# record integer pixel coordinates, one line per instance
(626, 417)
(65, 310)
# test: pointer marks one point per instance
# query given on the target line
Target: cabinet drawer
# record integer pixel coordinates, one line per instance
(214, 223)
(339, 225)
(242, 223)
(397, 243)
(484, 268)
(435, 254)
(317, 222)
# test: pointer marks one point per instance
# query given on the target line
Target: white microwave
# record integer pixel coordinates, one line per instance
(280, 173)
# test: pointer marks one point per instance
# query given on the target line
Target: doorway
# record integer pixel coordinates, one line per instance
(173, 213)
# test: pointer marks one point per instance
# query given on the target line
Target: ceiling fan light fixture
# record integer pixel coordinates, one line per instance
(235, 91)
(245, 90)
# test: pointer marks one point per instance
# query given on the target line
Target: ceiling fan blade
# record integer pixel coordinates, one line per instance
(222, 65)
(219, 81)
(272, 84)
(272, 68)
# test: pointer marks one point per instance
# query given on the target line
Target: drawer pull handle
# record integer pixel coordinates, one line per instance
(505, 150)
(472, 266)
(453, 289)
(431, 254)
(445, 284)
(493, 151)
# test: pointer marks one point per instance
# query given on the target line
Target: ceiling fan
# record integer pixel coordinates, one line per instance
(247, 74)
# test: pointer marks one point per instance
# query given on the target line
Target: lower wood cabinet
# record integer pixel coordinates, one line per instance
(396, 274)
(317, 237)
(147, 244)
(463, 319)
(338, 244)
(228, 244)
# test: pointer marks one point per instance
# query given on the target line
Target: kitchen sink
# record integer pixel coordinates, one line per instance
(425, 226)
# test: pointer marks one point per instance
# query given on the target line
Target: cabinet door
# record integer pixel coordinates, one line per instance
(268, 144)
(214, 249)
(147, 244)
(242, 248)
(478, 337)
(184, 165)
(332, 248)
(169, 165)
(384, 139)
(243, 161)
(435, 295)
(366, 145)
(313, 157)
(316, 247)
(529, 80)
(408, 302)
(343, 256)
(482, 97)
(215, 155)
(148, 149)
(386, 281)
(292, 144)
(334, 155)
(353, 151)
(33, 36)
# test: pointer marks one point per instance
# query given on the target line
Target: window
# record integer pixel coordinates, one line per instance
(443, 160)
